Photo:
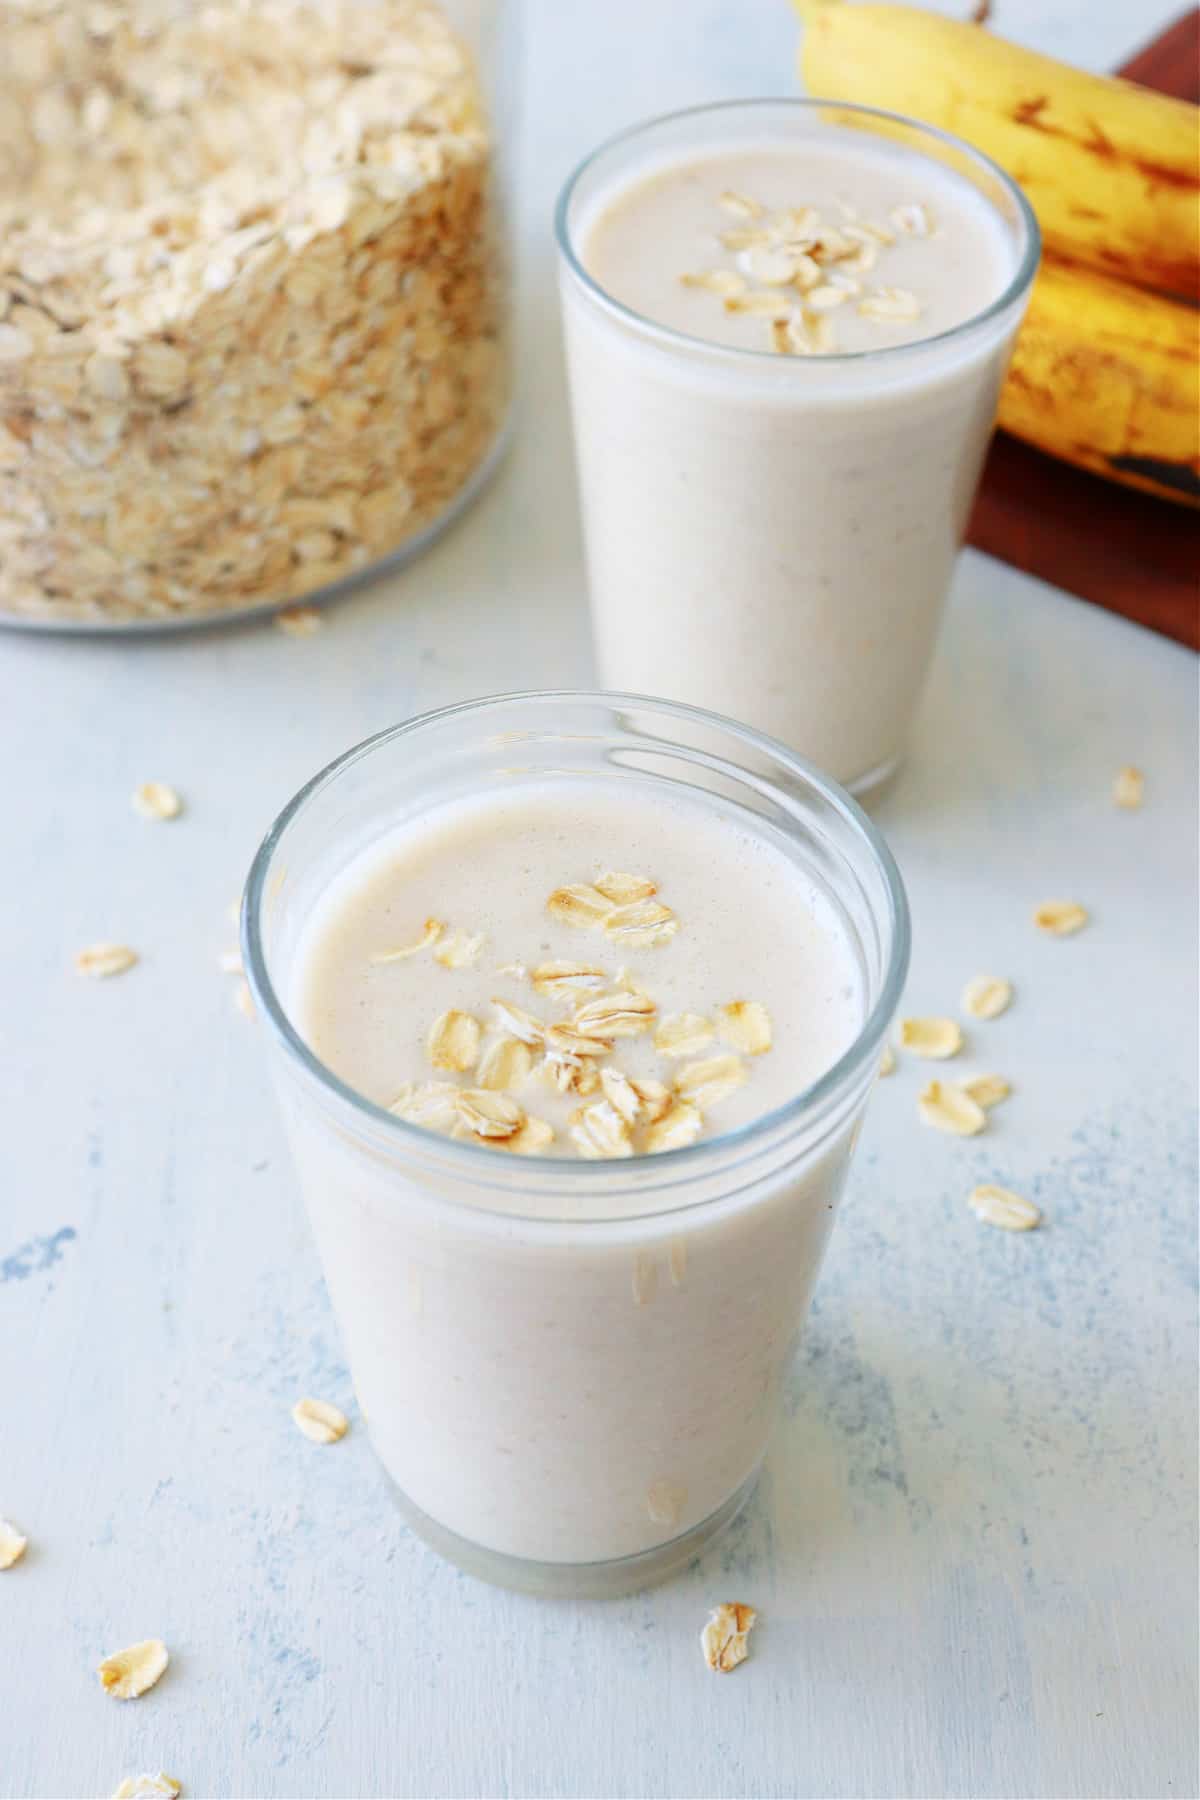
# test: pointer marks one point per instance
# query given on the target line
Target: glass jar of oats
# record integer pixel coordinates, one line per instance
(253, 297)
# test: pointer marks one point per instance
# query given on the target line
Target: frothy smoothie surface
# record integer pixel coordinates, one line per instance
(799, 248)
(583, 969)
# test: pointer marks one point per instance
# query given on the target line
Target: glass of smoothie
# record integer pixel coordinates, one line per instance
(787, 323)
(573, 1002)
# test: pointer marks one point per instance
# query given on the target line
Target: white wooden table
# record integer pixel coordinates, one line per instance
(973, 1549)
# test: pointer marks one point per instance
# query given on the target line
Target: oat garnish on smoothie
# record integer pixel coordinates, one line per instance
(622, 1113)
(580, 904)
(454, 1041)
(683, 1034)
(794, 269)
(708, 1082)
(128, 1673)
(505, 1064)
(457, 949)
(321, 1422)
(489, 1115)
(746, 1026)
(640, 925)
(430, 933)
(566, 980)
(723, 1639)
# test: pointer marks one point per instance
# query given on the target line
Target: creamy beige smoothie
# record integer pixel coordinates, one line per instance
(597, 971)
(781, 408)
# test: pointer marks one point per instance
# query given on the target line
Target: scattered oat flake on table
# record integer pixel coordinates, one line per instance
(299, 621)
(128, 1673)
(147, 1787)
(938, 1038)
(155, 800)
(887, 1060)
(986, 1090)
(948, 1108)
(431, 931)
(12, 1545)
(243, 999)
(987, 996)
(1060, 918)
(746, 1025)
(102, 960)
(1128, 788)
(320, 1422)
(723, 1639)
(1000, 1206)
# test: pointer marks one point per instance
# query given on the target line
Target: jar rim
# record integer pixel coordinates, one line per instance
(553, 1173)
(1011, 294)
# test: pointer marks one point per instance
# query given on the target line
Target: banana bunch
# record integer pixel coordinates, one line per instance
(1106, 371)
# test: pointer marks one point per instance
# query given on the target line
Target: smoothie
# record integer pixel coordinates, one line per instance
(785, 352)
(575, 1002)
(589, 1404)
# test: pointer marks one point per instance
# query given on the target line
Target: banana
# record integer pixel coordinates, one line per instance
(1109, 167)
(1108, 377)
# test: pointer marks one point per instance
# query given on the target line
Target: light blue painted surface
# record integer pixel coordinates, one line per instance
(973, 1549)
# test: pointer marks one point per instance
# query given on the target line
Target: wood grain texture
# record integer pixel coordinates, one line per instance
(1125, 550)
(973, 1550)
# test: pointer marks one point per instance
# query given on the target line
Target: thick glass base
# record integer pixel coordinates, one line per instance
(575, 1581)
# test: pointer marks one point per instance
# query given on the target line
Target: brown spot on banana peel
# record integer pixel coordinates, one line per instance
(1176, 476)
(1028, 113)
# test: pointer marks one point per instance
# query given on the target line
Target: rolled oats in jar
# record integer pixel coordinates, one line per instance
(252, 299)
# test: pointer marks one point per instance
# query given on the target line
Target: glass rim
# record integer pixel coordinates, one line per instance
(1017, 286)
(477, 1161)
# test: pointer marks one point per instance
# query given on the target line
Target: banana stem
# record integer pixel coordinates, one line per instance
(808, 9)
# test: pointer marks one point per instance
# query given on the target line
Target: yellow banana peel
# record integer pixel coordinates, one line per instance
(1108, 377)
(1110, 168)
